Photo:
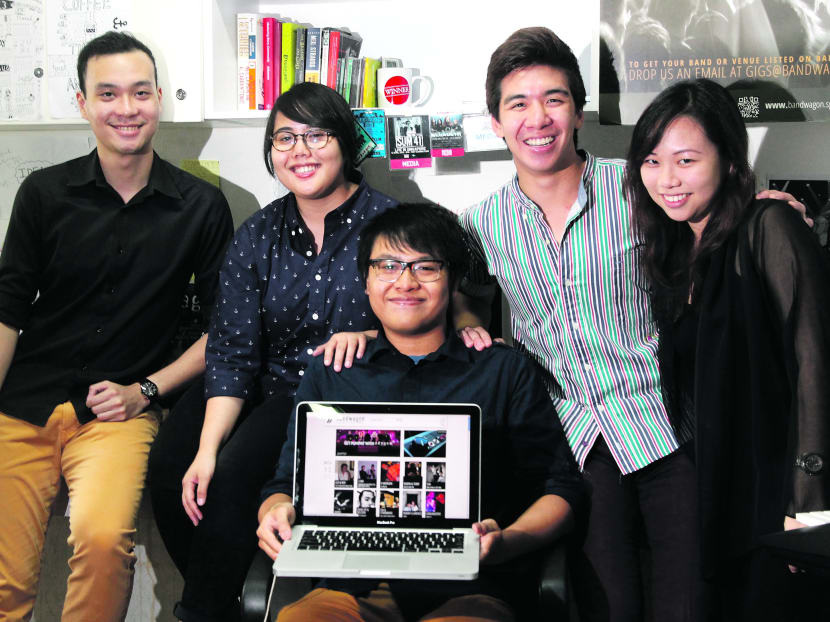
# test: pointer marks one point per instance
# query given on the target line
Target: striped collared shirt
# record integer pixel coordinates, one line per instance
(581, 309)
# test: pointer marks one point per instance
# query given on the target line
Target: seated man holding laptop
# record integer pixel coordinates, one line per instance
(411, 258)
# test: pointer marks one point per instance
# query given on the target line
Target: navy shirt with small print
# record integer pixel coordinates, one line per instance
(279, 299)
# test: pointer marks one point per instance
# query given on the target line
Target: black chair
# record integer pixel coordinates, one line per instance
(552, 602)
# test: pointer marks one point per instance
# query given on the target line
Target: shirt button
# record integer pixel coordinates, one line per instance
(317, 277)
(569, 283)
(120, 251)
(308, 253)
(99, 330)
(310, 351)
(314, 316)
(112, 290)
(302, 372)
(575, 325)
(601, 408)
(586, 366)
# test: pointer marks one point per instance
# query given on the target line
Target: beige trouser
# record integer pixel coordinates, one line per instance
(104, 465)
(323, 605)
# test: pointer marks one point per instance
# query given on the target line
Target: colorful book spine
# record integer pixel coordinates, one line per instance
(312, 55)
(355, 90)
(258, 65)
(287, 56)
(269, 27)
(325, 37)
(245, 25)
(299, 57)
(334, 55)
(370, 82)
(348, 68)
(277, 59)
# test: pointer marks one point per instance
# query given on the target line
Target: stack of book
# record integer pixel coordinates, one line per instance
(273, 55)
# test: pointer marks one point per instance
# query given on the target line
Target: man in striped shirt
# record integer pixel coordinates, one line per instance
(557, 238)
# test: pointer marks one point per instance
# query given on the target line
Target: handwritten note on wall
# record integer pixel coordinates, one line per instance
(70, 24)
(21, 59)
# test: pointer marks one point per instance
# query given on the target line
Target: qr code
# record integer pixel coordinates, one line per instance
(748, 106)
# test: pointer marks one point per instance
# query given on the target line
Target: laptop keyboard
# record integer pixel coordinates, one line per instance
(362, 540)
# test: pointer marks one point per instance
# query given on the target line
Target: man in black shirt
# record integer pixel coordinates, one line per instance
(411, 258)
(95, 266)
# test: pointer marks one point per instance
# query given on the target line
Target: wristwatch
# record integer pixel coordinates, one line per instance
(149, 390)
(811, 464)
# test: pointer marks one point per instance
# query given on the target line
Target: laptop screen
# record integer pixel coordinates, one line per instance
(376, 464)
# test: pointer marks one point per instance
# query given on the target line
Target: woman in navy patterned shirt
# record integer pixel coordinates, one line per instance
(289, 282)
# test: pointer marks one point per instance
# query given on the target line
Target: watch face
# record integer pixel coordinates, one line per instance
(149, 390)
(813, 464)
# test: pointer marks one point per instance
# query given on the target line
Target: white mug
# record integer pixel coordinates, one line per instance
(402, 87)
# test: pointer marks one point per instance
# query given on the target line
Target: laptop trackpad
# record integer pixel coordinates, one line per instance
(376, 562)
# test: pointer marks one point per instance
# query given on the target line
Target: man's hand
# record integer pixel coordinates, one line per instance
(343, 348)
(786, 196)
(477, 337)
(491, 541)
(277, 520)
(115, 402)
(197, 477)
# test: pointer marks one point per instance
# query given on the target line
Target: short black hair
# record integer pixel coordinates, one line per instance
(319, 106)
(422, 227)
(111, 43)
(528, 47)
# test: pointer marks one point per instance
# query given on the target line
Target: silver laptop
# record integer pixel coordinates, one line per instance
(385, 491)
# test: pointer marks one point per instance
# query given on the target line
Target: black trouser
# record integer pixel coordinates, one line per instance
(658, 501)
(214, 557)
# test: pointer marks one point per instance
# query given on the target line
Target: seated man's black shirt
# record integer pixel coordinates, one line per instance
(97, 285)
(524, 451)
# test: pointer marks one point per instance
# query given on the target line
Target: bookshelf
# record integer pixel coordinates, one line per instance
(449, 41)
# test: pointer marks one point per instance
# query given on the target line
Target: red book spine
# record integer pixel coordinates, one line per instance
(334, 54)
(268, 28)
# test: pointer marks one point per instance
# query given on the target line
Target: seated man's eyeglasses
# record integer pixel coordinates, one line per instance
(424, 270)
(313, 139)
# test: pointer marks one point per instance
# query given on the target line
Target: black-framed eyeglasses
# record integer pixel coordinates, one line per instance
(313, 139)
(424, 270)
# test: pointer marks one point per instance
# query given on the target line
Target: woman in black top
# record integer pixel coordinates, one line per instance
(288, 283)
(741, 294)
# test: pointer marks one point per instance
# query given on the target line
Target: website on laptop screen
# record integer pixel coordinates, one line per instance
(387, 465)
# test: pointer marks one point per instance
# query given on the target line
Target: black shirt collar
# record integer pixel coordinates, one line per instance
(89, 171)
(452, 348)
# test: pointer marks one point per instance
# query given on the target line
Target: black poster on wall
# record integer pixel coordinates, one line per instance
(773, 55)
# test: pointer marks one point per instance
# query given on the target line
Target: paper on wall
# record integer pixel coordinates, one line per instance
(71, 24)
(21, 59)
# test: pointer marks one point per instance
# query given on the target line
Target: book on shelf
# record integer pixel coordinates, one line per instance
(355, 87)
(325, 37)
(334, 56)
(350, 44)
(370, 82)
(257, 95)
(287, 60)
(312, 55)
(299, 57)
(270, 82)
(246, 52)
(343, 78)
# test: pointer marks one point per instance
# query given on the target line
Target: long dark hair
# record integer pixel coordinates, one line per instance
(670, 259)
